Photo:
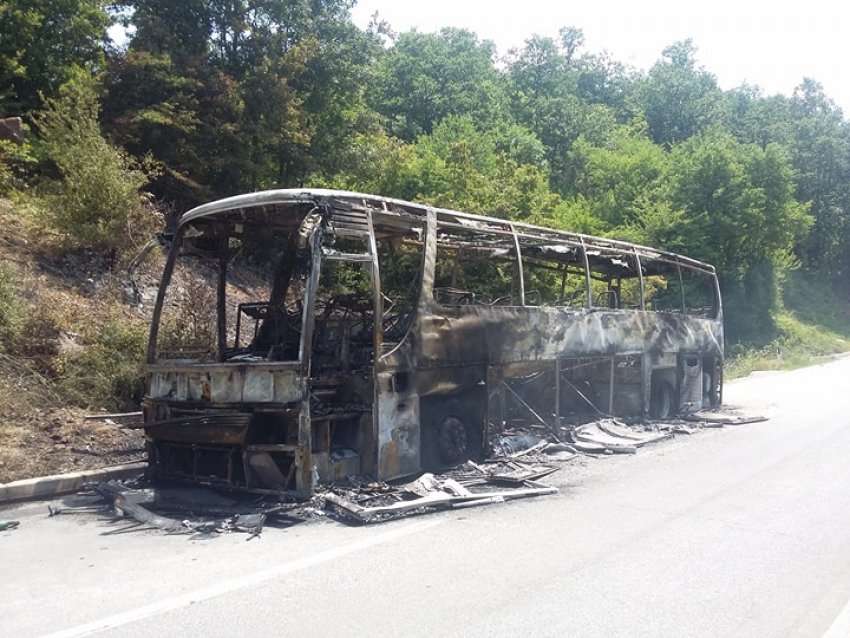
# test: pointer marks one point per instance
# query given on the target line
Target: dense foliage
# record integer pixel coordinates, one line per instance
(97, 193)
(229, 96)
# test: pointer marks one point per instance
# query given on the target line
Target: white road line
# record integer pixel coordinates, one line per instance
(243, 582)
(840, 627)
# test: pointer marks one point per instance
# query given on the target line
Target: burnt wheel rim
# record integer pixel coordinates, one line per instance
(452, 441)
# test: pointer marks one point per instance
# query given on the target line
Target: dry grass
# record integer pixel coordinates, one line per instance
(39, 436)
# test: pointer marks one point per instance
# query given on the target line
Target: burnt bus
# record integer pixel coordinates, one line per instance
(302, 336)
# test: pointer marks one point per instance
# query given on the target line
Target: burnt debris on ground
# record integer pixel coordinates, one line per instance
(468, 485)
(199, 511)
(519, 462)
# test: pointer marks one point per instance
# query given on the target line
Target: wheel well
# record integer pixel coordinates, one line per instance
(469, 407)
(661, 377)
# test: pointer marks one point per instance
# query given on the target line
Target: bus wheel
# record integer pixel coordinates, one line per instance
(452, 442)
(662, 401)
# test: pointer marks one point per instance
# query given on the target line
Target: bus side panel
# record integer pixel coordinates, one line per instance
(480, 334)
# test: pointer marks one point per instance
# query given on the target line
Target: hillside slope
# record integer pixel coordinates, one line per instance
(59, 311)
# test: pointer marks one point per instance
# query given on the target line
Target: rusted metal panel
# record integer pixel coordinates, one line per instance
(224, 428)
(398, 431)
(227, 384)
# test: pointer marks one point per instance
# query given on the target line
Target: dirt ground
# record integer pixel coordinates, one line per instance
(37, 438)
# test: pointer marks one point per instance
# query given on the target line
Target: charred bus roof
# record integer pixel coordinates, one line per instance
(293, 197)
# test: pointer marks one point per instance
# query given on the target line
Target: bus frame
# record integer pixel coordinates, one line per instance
(440, 380)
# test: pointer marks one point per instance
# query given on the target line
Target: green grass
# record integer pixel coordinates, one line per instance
(799, 344)
(814, 324)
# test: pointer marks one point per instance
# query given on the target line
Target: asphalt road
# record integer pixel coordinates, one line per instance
(738, 532)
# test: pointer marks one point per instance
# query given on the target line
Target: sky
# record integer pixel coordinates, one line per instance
(772, 44)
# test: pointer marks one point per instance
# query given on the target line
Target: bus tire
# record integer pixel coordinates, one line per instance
(662, 400)
(452, 441)
(453, 433)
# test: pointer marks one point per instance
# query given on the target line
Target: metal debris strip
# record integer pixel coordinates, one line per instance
(609, 436)
(135, 504)
(606, 436)
(429, 493)
(205, 512)
(708, 419)
(520, 462)
(8, 525)
(520, 459)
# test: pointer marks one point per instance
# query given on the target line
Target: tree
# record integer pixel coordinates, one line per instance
(813, 130)
(538, 71)
(624, 179)
(41, 42)
(458, 165)
(96, 202)
(461, 166)
(151, 106)
(544, 98)
(335, 83)
(602, 80)
(680, 98)
(240, 95)
(820, 150)
(178, 30)
(572, 39)
(739, 213)
(273, 126)
(426, 77)
(739, 201)
(756, 119)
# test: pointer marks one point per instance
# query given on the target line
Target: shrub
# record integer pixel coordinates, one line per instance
(15, 161)
(108, 371)
(97, 199)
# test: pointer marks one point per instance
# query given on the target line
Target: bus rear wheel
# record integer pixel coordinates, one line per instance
(452, 441)
(452, 430)
(662, 400)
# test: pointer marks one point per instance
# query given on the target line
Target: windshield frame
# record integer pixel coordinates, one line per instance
(154, 357)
